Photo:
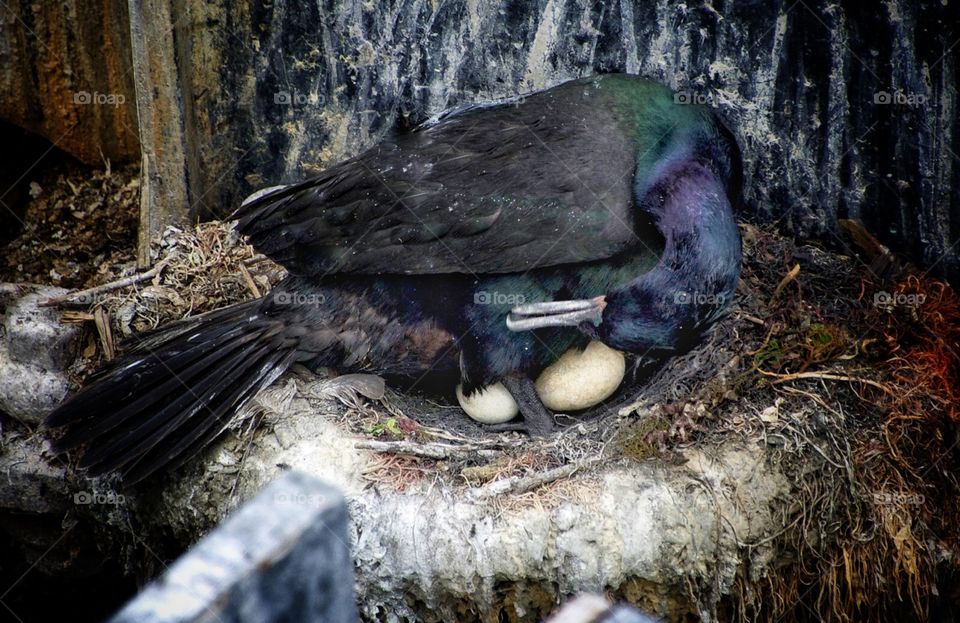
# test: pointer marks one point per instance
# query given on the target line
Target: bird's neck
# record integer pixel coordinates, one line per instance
(691, 208)
(697, 273)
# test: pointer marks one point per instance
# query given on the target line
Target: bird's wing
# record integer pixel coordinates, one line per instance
(536, 182)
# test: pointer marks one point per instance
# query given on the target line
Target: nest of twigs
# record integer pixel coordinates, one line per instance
(864, 376)
(851, 381)
(197, 270)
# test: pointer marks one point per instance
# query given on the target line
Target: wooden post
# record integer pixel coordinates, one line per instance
(164, 189)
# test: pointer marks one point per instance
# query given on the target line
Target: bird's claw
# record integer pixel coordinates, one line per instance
(535, 427)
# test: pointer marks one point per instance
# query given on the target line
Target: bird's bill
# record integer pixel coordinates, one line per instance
(556, 314)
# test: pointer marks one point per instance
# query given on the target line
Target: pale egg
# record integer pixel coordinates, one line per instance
(582, 379)
(491, 405)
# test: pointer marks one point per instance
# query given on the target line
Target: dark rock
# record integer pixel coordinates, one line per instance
(35, 335)
(284, 556)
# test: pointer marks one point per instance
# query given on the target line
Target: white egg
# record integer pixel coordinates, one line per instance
(491, 405)
(582, 379)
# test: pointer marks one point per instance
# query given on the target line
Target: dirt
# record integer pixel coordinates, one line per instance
(80, 227)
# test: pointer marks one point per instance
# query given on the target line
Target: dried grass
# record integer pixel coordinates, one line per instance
(869, 440)
(205, 268)
(857, 403)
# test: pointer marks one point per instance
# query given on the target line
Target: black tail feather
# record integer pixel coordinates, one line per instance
(193, 395)
(148, 363)
(174, 452)
(162, 403)
(154, 399)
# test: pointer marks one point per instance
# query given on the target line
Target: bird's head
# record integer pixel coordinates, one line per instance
(638, 317)
(687, 177)
(668, 307)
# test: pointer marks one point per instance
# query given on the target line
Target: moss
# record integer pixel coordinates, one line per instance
(389, 427)
(824, 342)
(771, 353)
(637, 441)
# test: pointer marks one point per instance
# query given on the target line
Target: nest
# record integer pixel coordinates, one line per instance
(851, 381)
(196, 270)
(863, 375)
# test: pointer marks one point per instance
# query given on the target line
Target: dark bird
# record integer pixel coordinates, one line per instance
(487, 242)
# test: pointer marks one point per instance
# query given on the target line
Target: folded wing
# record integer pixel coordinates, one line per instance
(488, 189)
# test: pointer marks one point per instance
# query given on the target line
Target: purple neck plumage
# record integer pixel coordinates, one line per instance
(695, 279)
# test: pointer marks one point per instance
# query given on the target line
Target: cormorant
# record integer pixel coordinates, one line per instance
(488, 241)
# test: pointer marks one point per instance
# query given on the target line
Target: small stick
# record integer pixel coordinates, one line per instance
(749, 318)
(438, 451)
(248, 278)
(780, 378)
(522, 484)
(102, 321)
(82, 298)
(790, 276)
(256, 259)
(72, 315)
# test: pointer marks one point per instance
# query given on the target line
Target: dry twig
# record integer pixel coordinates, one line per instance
(83, 298)
(520, 484)
(438, 451)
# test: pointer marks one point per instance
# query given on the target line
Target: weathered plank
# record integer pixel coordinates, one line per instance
(161, 99)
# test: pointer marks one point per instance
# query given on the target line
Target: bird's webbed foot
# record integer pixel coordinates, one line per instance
(538, 421)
